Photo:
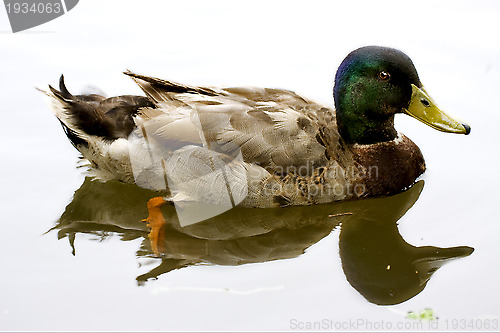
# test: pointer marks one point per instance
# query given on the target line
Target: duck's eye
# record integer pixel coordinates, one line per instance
(383, 75)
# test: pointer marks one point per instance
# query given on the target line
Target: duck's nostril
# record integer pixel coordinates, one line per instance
(425, 102)
(467, 128)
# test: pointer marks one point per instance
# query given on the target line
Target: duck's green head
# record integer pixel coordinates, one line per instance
(373, 84)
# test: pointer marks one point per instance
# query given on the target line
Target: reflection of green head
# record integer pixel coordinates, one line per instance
(378, 262)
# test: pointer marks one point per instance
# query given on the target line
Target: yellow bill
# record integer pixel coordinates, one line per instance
(425, 109)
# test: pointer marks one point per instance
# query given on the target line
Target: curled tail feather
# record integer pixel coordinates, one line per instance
(86, 116)
(62, 102)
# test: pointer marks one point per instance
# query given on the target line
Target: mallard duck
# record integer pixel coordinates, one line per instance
(265, 147)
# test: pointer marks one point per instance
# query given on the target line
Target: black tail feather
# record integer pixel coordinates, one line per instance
(62, 94)
(59, 95)
(95, 115)
(62, 87)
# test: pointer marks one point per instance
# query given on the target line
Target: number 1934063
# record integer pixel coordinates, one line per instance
(40, 7)
(471, 324)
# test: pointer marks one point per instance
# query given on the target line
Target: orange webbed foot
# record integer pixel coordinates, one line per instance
(156, 223)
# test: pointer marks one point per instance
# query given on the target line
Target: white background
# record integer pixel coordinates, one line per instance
(287, 44)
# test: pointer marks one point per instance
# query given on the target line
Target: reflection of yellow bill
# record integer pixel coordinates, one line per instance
(425, 109)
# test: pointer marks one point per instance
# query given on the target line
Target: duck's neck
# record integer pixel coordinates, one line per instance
(360, 129)
(361, 117)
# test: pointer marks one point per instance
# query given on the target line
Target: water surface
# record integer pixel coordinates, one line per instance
(76, 256)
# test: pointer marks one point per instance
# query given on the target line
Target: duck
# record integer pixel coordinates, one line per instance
(258, 147)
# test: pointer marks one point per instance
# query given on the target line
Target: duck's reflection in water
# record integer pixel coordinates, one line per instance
(376, 260)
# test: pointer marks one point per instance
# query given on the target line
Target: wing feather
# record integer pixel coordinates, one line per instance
(276, 129)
